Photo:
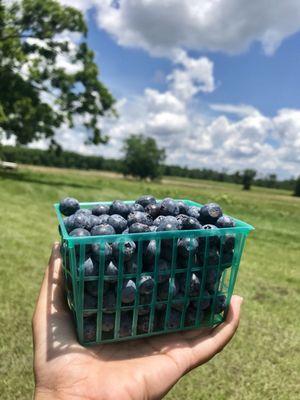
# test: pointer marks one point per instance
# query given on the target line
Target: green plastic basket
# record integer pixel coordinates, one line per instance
(203, 310)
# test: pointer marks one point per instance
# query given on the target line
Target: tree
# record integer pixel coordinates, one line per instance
(247, 178)
(37, 93)
(142, 157)
(297, 187)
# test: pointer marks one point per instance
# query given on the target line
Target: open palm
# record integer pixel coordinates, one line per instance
(133, 370)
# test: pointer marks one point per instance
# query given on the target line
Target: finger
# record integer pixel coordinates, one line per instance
(51, 302)
(204, 348)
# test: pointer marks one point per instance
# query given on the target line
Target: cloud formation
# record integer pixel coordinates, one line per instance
(161, 27)
(235, 137)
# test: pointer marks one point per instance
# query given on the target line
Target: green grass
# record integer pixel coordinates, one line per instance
(263, 360)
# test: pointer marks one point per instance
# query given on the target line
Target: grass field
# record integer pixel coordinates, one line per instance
(263, 360)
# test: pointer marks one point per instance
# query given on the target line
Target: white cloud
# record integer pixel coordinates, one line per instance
(242, 110)
(194, 76)
(160, 27)
(225, 25)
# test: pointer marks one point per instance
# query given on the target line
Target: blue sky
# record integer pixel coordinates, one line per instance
(266, 82)
(215, 82)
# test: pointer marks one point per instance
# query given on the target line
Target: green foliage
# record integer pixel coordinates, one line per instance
(55, 157)
(142, 157)
(247, 178)
(31, 41)
(297, 187)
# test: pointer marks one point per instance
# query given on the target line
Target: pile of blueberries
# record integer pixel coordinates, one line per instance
(181, 290)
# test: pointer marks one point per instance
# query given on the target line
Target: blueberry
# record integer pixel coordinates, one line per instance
(179, 305)
(183, 208)
(126, 231)
(163, 270)
(109, 302)
(100, 209)
(90, 305)
(94, 220)
(68, 206)
(190, 316)
(214, 241)
(117, 222)
(143, 323)
(143, 310)
(168, 224)
(166, 251)
(128, 291)
(111, 272)
(98, 250)
(146, 284)
(79, 220)
(212, 276)
(135, 207)
(103, 229)
(204, 302)
(194, 212)
(119, 207)
(186, 246)
(153, 228)
(90, 301)
(164, 288)
(158, 220)
(68, 224)
(127, 249)
(210, 213)
(220, 304)
(183, 262)
(228, 243)
(125, 325)
(89, 329)
(169, 207)
(225, 222)
(145, 200)
(174, 319)
(212, 257)
(79, 232)
(139, 217)
(131, 267)
(85, 211)
(145, 299)
(160, 306)
(92, 287)
(103, 219)
(108, 322)
(188, 223)
(149, 253)
(138, 228)
(193, 287)
(227, 258)
(90, 268)
(153, 210)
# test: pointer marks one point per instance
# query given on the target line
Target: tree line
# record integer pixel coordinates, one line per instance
(142, 160)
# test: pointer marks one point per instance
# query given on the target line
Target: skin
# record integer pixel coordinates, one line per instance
(132, 370)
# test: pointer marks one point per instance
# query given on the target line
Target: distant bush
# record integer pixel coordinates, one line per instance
(247, 178)
(297, 187)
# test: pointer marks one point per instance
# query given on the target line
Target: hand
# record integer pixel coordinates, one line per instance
(132, 370)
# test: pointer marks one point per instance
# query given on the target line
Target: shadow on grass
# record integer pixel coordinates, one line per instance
(21, 177)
